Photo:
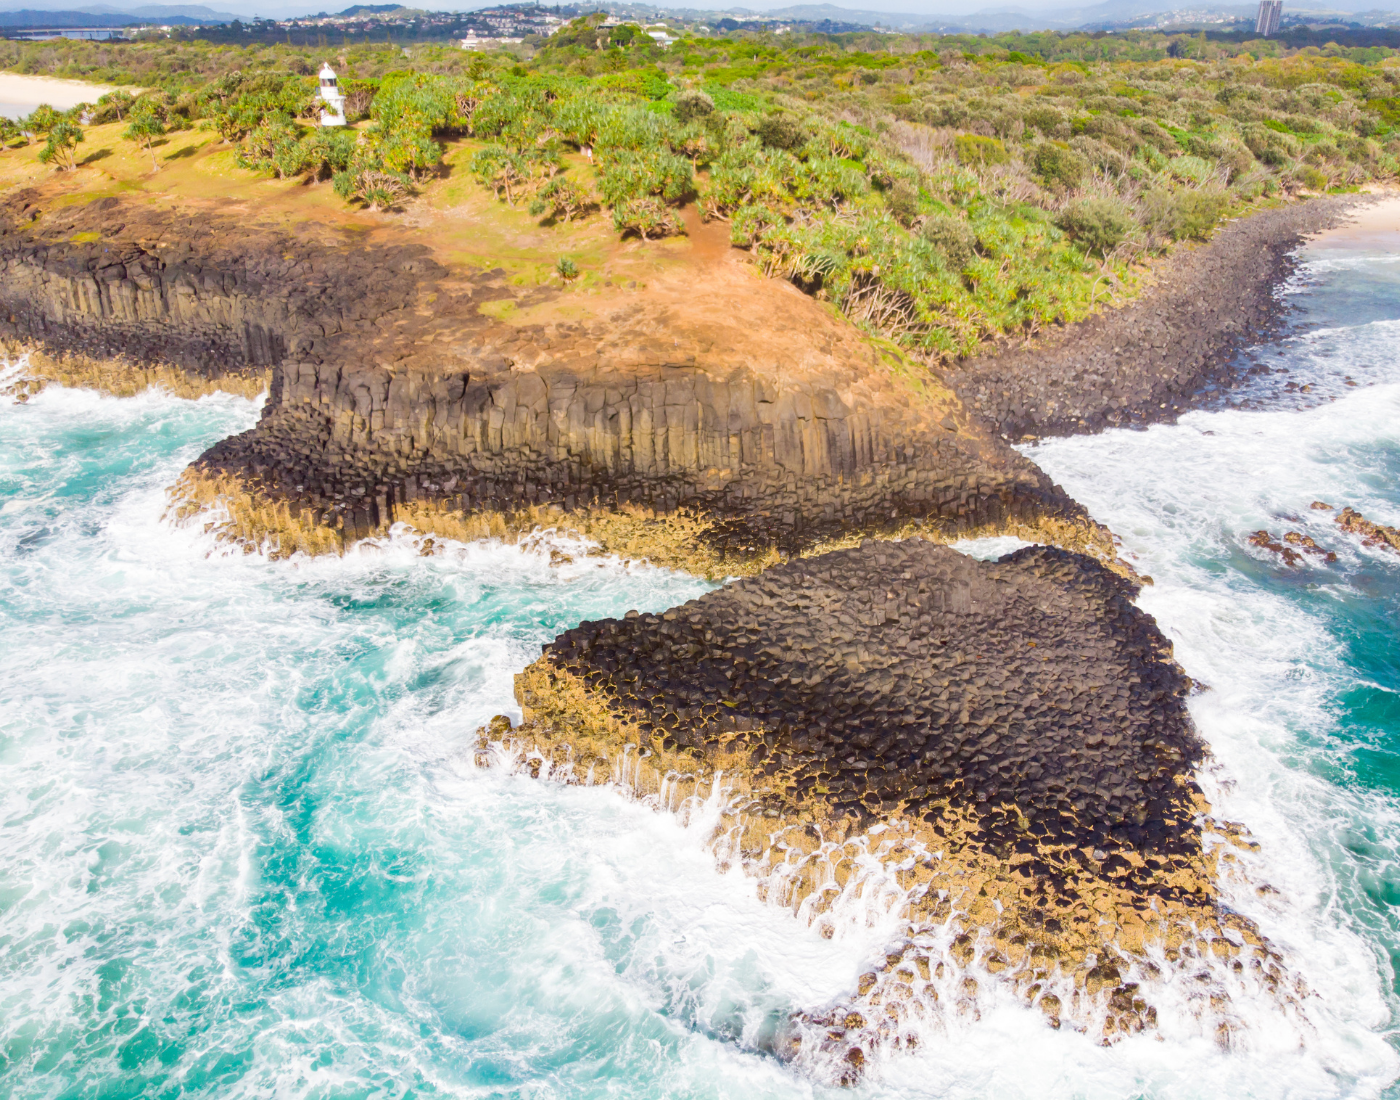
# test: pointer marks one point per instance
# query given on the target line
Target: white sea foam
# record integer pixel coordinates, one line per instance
(241, 794)
(1184, 499)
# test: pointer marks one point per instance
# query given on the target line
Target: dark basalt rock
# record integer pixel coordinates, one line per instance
(906, 677)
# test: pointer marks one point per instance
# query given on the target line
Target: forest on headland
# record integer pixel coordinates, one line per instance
(941, 192)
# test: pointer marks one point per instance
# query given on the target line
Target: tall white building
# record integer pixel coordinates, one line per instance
(1270, 12)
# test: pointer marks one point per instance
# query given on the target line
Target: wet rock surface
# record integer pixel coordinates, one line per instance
(1002, 748)
(909, 678)
(1168, 351)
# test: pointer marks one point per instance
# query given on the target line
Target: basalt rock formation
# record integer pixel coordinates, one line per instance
(1168, 351)
(396, 391)
(1020, 723)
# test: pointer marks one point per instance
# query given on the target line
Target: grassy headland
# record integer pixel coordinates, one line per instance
(941, 192)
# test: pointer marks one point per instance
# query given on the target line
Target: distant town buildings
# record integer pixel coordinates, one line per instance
(1270, 12)
(473, 41)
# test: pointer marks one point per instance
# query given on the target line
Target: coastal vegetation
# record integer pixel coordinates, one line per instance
(941, 192)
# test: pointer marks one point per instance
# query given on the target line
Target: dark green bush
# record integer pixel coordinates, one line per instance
(1100, 155)
(1198, 212)
(1060, 167)
(1047, 120)
(1310, 177)
(903, 201)
(781, 130)
(692, 105)
(952, 238)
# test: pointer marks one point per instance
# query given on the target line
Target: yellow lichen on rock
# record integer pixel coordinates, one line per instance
(235, 513)
(122, 378)
(672, 540)
(1047, 920)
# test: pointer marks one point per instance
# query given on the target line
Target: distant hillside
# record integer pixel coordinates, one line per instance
(104, 15)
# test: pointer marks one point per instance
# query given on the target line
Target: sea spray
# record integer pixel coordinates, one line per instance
(1283, 647)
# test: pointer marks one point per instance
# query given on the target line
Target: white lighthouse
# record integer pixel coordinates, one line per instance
(334, 112)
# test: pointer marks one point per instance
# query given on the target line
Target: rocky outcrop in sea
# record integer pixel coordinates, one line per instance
(1016, 729)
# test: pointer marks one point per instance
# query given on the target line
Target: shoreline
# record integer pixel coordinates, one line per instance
(390, 402)
(19, 89)
(1364, 222)
(1153, 358)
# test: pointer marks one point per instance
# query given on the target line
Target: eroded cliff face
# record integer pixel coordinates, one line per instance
(122, 280)
(395, 388)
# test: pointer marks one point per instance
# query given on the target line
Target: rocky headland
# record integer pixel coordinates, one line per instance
(462, 404)
(1007, 742)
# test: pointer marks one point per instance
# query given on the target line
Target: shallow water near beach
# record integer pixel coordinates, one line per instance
(245, 849)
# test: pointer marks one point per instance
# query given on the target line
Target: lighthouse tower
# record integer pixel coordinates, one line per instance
(334, 112)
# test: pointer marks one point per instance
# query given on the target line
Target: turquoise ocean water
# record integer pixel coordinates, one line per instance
(245, 850)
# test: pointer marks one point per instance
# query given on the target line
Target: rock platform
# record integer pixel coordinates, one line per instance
(1019, 725)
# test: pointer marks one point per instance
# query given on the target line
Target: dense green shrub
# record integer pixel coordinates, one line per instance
(1099, 225)
(781, 130)
(1198, 212)
(692, 105)
(816, 159)
(273, 146)
(1310, 177)
(326, 151)
(1049, 121)
(977, 151)
(903, 201)
(1058, 165)
(953, 240)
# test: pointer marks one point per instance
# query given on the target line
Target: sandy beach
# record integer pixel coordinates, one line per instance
(1367, 225)
(19, 94)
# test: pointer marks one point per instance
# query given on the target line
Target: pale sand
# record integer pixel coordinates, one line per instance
(61, 94)
(1375, 222)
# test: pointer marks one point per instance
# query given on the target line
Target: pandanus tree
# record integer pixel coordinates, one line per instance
(61, 148)
(146, 125)
(113, 107)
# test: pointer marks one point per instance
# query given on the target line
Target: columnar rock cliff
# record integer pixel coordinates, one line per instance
(395, 385)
